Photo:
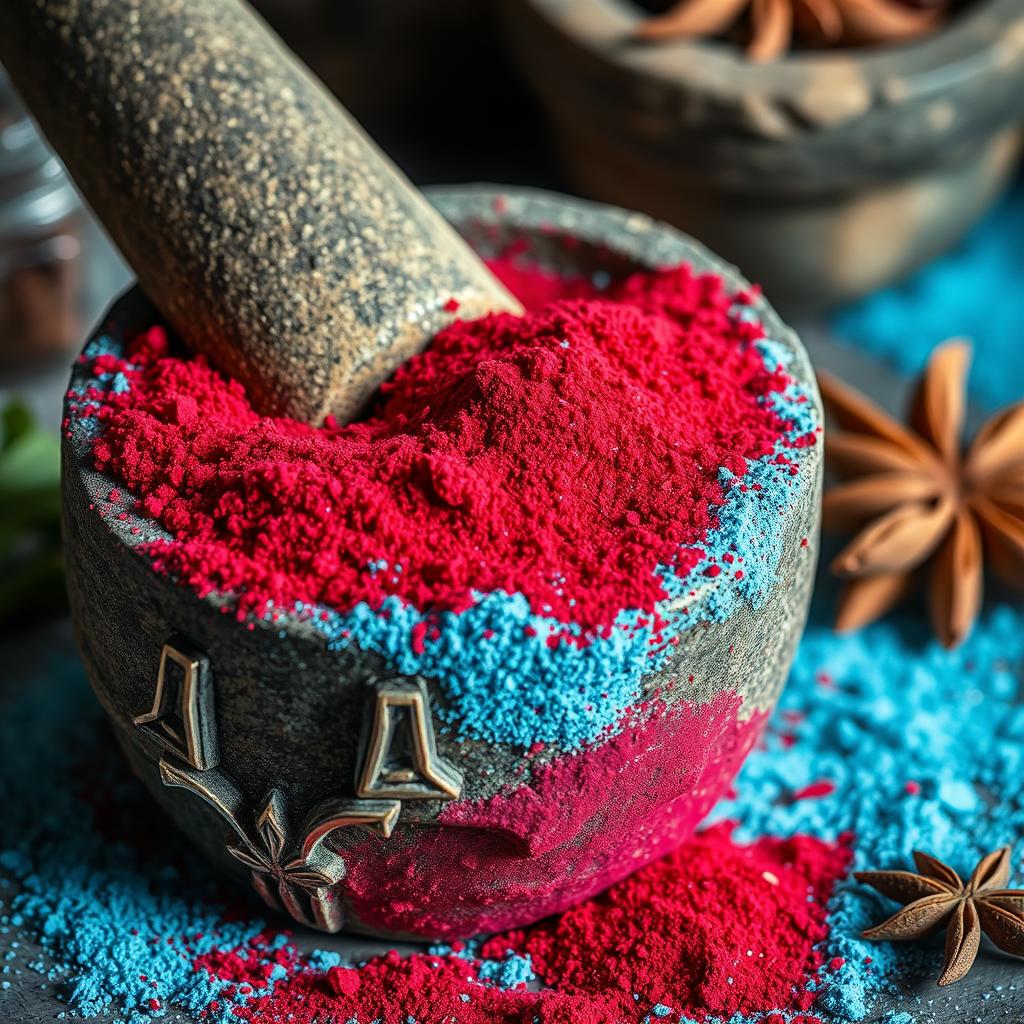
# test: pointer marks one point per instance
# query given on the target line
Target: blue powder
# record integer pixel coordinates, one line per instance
(873, 713)
(504, 683)
(324, 959)
(974, 292)
(511, 972)
(500, 683)
(507, 971)
(120, 920)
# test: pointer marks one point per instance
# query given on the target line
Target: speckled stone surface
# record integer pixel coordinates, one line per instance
(823, 175)
(289, 710)
(264, 225)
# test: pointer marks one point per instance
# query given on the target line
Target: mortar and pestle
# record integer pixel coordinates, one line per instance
(271, 236)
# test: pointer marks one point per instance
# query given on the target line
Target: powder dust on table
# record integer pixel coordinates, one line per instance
(920, 748)
(127, 916)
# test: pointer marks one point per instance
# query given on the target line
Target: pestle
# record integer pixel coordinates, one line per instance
(262, 222)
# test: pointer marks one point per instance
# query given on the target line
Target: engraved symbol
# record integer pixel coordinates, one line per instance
(181, 719)
(400, 759)
(399, 762)
(298, 878)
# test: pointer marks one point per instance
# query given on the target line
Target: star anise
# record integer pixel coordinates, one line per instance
(772, 23)
(936, 898)
(915, 496)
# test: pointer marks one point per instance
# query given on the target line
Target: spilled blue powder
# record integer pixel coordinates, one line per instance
(870, 713)
(926, 750)
(973, 292)
(121, 919)
(509, 971)
(93, 873)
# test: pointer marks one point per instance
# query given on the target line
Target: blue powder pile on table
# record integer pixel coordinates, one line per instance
(119, 917)
(92, 873)
(973, 292)
(925, 750)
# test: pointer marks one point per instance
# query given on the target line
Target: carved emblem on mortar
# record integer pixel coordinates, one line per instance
(294, 869)
(181, 719)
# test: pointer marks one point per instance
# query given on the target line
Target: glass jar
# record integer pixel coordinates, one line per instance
(42, 224)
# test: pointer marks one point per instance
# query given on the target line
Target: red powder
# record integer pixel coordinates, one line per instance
(823, 787)
(527, 853)
(534, 286)
(562, 455)
(713, 929)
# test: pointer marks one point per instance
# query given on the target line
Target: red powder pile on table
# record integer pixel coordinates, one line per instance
(562, 455)
(712, 930)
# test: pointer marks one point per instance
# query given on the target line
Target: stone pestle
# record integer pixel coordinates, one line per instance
(262, 222)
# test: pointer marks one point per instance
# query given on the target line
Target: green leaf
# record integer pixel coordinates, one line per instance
(30, 462)
(15, 422)
(32, 513)
(29, 457)
(31, 575)
(35, 586)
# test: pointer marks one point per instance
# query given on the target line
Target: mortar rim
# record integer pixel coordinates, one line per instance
(640, 238)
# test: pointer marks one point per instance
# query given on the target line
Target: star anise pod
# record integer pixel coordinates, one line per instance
(773, 23)
(937, 898)
(915, 496)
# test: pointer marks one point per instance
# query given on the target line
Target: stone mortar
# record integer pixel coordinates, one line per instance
(261, 221)
(289, 711)
(824, 175)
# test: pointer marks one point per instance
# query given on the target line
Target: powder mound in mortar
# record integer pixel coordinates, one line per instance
(564, 455)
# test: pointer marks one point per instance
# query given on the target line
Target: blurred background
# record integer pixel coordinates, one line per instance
(857, 166)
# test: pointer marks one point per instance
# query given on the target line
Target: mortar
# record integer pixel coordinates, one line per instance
(381, 766)
(824, 174)
(333, 778)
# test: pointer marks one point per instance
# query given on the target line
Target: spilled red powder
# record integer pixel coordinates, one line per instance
(563, 455)
(823, 787)
(711, 930)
